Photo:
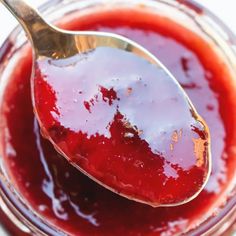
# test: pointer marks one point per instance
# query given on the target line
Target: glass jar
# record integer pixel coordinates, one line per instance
(16, 214)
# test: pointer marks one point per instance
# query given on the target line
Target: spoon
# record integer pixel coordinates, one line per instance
(115, 112)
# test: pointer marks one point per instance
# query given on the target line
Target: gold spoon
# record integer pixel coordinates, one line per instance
(60, 46)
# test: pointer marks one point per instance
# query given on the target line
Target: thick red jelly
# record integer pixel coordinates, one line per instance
(72, 202)
(124, 122)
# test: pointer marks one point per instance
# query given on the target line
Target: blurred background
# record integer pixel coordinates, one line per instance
(225, 9)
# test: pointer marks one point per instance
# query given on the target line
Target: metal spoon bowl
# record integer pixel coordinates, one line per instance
(56, 44)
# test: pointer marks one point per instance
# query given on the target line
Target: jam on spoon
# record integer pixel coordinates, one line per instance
(124, 124)
(115, 113)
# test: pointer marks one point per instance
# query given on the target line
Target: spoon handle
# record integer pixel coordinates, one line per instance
(28, 17)
(46, 39)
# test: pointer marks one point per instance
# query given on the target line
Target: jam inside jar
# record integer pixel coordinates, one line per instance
(48, 195)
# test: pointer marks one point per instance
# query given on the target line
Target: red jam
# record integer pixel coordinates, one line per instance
(71, 201)
(123, 121)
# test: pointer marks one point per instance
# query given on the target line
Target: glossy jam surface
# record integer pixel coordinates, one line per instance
(75, 204)
(125, 122)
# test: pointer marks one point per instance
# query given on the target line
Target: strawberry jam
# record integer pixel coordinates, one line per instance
(125, 123)
(76, 205)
